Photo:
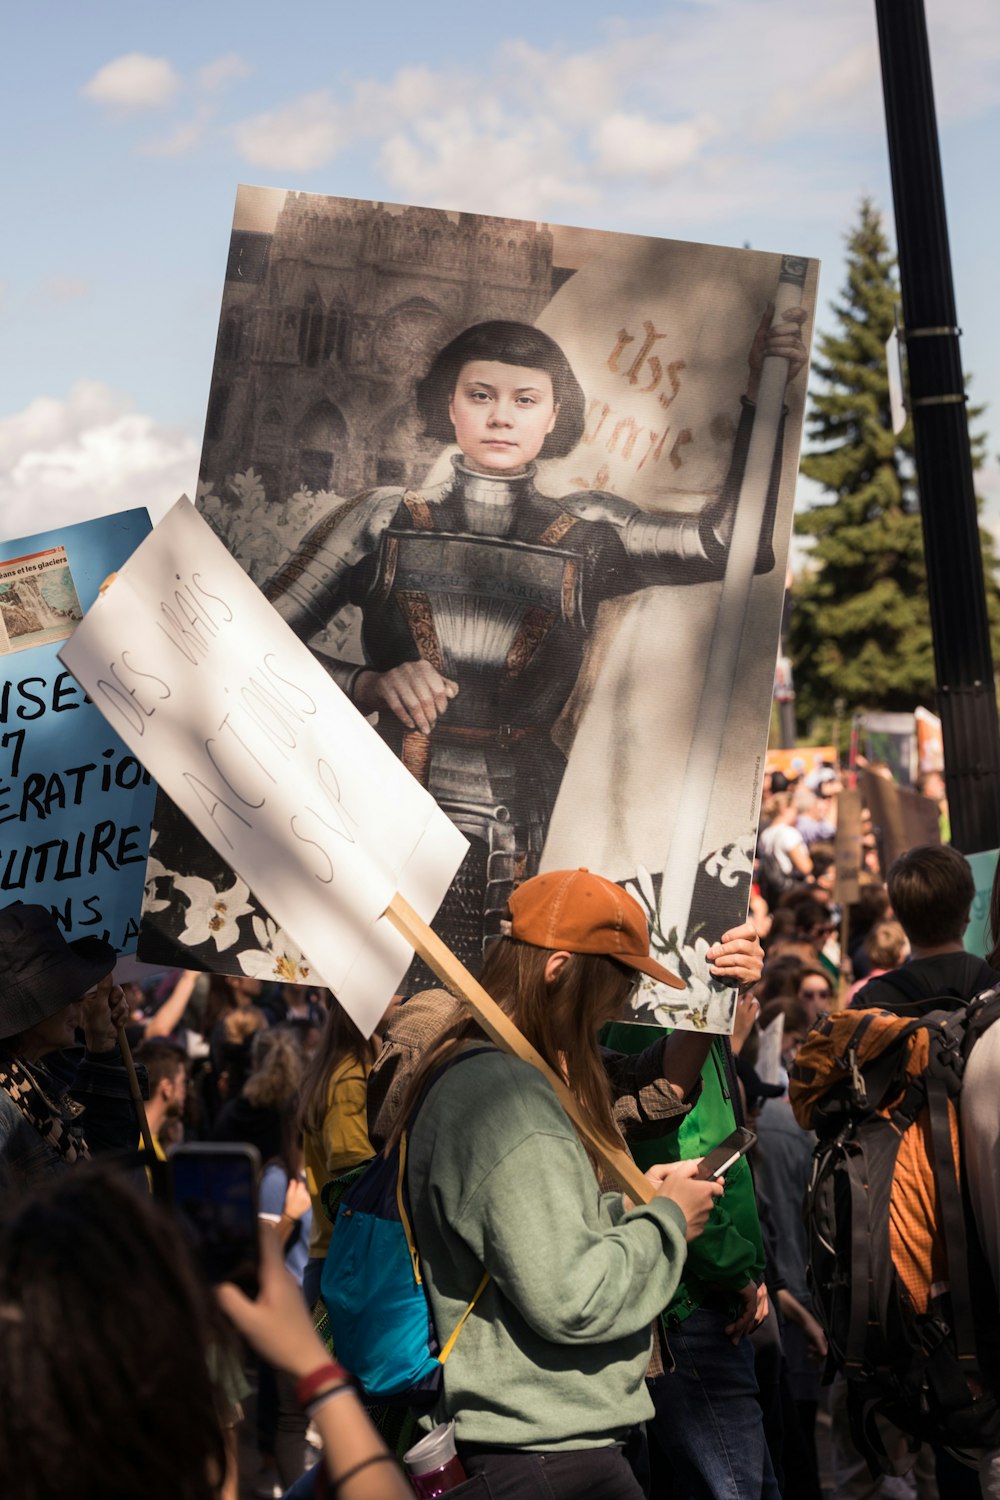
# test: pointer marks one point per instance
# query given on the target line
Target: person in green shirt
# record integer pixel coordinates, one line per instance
(547, 1380)
(708, 1425)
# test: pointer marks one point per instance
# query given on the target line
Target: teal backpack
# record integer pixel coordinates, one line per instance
(380, 1316)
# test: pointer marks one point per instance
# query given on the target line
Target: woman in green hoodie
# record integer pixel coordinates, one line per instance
(547, 1379)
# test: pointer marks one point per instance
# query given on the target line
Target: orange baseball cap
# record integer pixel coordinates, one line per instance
(584, 913)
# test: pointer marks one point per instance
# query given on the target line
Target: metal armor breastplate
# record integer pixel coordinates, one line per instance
(500, 617)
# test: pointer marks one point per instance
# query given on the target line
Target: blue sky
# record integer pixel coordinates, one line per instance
(129, 127)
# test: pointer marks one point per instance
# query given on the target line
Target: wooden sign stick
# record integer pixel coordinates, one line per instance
(501, 1029)
(135, 1091)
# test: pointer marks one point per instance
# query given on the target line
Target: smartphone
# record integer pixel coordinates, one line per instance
(716, 1163)
(214, 1193)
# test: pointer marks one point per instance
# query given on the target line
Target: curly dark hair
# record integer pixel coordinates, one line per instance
(104, 1388)
(511, 344)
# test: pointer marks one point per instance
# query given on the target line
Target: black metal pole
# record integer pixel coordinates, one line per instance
(964, 663)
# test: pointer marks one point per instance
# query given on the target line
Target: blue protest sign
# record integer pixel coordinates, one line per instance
(75, 804)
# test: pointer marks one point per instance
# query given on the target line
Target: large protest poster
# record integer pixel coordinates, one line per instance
(75, 804)
(552, 593)
(245, 731)
(901, 819)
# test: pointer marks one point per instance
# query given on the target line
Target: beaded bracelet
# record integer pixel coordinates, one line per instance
(310, 1385)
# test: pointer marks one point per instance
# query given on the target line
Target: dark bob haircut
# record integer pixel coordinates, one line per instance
(511, 344)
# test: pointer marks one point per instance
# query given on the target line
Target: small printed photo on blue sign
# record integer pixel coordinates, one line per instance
(75, 804)
(38, 600)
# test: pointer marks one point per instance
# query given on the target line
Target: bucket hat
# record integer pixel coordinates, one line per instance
(578, 912)
(40, 972)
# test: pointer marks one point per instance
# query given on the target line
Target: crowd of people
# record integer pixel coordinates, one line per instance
(670, 1348)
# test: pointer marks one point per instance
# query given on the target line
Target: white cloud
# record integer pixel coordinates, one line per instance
(297, 137)
(214, 76)
(825, 98)
(516, 169)
(533, 128)
(91, 454)
(709, 87)
(185, 137)
(410, 93)
(640, 147)
(134, 81)
(211, 82)
(577, 87)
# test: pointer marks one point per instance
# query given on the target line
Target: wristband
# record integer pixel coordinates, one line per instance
(310, 1385)
(318, 1402)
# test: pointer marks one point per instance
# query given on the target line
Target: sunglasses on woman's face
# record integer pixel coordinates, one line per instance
(817, 994)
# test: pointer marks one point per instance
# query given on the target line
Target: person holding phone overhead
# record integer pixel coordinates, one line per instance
(106, 1332)
(49, 990)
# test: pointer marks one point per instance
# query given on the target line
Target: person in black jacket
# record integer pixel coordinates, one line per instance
(931, 890)
(58, 1102)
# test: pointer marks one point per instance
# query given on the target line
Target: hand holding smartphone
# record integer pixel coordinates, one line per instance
(214, 1190)
(716, 1163)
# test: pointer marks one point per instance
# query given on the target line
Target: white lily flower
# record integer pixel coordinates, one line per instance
(212, 914)
(276, 958)
(150, 902)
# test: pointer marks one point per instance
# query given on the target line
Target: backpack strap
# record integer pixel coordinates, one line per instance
(404, 1216)
(917, 989)
(952, 1221)
(402, 1194)
(857, 1324)
(449, 1346)
(411, 1245)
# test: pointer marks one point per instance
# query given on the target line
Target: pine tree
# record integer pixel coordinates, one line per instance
(860, 626)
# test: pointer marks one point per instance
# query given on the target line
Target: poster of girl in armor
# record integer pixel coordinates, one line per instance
(526, 492)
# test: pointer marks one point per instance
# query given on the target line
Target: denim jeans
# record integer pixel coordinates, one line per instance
(585, 1474)
(304, 1488)
(581, 1474)
(708, 1424)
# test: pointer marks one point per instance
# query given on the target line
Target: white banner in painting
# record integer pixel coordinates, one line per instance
(243, 729)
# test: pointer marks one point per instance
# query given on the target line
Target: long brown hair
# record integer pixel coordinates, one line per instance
(339, 1038)
(275, 1068)
(561, 1020)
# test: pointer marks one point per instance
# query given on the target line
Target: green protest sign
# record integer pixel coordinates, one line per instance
(977, 935)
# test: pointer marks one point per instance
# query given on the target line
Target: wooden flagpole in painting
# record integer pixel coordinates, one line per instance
(684, 857)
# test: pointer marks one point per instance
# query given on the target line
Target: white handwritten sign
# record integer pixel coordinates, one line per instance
(244, 730)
